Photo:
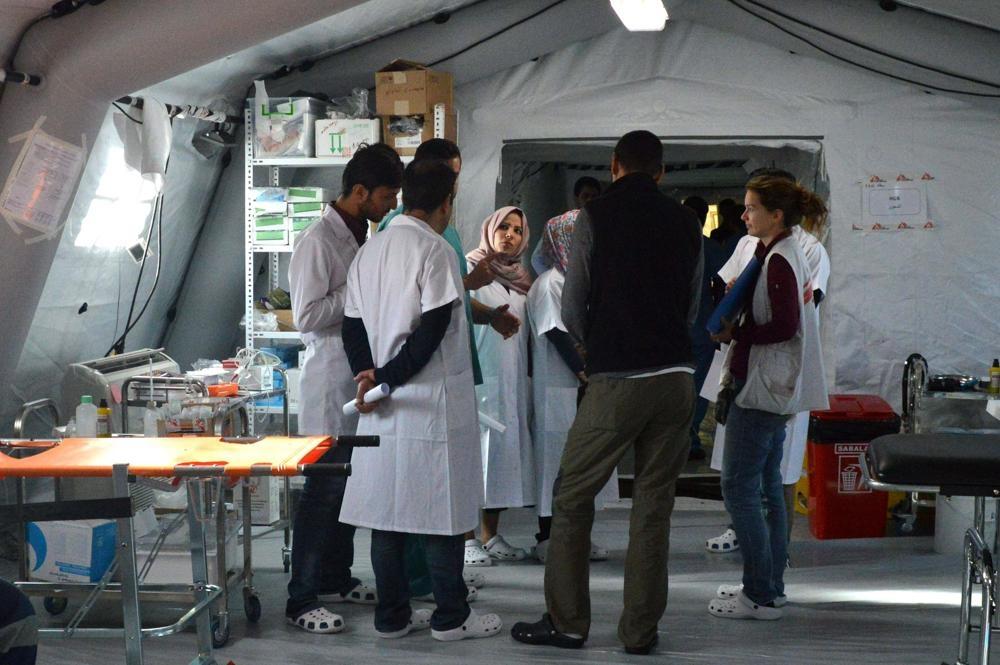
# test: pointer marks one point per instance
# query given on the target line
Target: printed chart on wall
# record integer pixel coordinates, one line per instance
(42, 182)
(896, 204)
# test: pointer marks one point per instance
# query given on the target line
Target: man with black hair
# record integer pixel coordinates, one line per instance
(405, 326)
(630, 298)
(324, 546)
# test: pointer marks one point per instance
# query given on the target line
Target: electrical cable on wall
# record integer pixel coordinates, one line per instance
(858, 64)
(873, 49)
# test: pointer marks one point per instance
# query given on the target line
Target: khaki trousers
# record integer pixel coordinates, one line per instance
(652, 414)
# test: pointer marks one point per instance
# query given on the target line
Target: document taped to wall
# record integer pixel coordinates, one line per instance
(42, 182)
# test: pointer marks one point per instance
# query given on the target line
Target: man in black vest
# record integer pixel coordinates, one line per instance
(631, 295)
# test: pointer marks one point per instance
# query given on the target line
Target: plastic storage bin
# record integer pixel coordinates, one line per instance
(286, 126)
(841, 505)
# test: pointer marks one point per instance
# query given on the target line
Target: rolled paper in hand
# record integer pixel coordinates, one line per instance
(491, 423)
(375, 394)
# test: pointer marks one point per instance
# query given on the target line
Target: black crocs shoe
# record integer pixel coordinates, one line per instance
(645, 649)
(544, 633)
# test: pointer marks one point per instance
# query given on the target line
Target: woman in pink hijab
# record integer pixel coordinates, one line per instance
(504, 397)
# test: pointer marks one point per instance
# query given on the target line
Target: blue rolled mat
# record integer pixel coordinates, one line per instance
(737, 297)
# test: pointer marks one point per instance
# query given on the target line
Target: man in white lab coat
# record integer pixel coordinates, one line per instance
(405, 326)
(324, 547)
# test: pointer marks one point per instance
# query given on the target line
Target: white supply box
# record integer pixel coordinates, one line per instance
(173, 561)
(78, 551)
(342, 138)
(264, 500)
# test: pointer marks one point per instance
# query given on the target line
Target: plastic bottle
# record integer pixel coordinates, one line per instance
(103, 420)
(995, 377)
(150, 421)
(86, 417)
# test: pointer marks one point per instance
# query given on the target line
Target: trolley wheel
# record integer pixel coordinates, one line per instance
(220, 633)
(54, 605)
(251, 607)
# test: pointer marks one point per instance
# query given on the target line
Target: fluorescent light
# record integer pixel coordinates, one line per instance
(641, 15)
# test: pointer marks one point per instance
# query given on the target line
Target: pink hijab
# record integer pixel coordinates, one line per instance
(506, 267)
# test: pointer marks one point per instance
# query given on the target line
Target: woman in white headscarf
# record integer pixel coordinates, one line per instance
(558, 375)
(504, 396)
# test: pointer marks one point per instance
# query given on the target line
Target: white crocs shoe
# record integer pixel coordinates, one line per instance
(727, 542)
(476, 625)
(598, 553)
(474, 578)
(419, 620)
(361, 594)
(541, 550)
(320, 620)
(501, 550)
(475, 555)
(734, 590)
(742, 607)
(470, 597)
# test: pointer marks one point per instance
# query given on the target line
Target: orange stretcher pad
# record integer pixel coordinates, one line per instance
(273, 455)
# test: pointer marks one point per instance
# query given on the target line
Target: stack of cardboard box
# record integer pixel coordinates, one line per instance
(405, 95)
(280, 214)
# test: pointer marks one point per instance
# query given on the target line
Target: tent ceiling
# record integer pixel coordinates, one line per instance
(14, 16)
(985, 13)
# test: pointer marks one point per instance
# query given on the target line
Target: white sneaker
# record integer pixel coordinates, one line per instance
(501, 550)
(474, 578)
(727, 542)
(476, 625)
(597, 553)
(419, 620)
(471, 596)
(475, 555)
(734, 590)
(541, 550)
(742, 607)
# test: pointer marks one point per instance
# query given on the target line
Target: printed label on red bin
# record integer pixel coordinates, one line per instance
(849, 478)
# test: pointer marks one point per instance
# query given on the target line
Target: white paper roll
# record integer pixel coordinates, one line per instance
(375, 394)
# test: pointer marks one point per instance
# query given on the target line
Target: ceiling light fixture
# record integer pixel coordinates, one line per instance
(641, 15)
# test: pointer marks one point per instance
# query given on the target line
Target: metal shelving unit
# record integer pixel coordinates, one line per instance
(274, 166)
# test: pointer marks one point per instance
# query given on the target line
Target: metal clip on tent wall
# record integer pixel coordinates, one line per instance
(21, 78)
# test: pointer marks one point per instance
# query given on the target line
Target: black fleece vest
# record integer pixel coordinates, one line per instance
(646, 248)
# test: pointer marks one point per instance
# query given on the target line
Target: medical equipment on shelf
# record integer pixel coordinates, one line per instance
(205, 466)
(375, 394)
(103, 378)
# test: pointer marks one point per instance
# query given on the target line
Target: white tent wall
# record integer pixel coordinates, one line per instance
(89, 59)
(892, 293)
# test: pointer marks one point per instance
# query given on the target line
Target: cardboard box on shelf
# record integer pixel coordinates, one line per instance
(286, 322)
(77, 551)
(264, 500)
(285, 126)
(342, 138)
(406, 133)
(404, 87)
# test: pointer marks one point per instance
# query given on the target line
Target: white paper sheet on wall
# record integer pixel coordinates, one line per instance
(897, 205)
(42, 182)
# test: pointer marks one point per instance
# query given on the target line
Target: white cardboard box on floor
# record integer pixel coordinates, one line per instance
(77, 551)
(173, 561)
(264, 500)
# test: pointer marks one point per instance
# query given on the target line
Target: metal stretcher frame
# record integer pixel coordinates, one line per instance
(198, 461)
(978, 567)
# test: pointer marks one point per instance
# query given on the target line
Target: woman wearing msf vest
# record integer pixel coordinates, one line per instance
(776, 370)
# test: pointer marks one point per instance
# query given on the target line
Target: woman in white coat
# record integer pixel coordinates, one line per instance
(558, 375)
(504, 396)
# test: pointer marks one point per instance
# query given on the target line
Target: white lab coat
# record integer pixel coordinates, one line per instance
(554, 389)
(797, 429)
(425, 475)
(317, 275)
(505, 396)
